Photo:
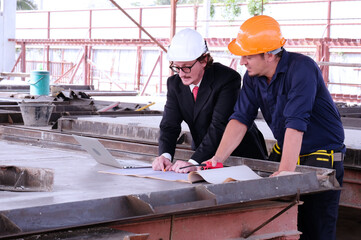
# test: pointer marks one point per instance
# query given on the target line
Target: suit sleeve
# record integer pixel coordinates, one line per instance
(223, 108)
(170, 125)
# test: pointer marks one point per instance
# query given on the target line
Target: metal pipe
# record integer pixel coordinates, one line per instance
(173, 14)
(138, 25)
(90, 23)
(145, 107)
(23, 59)
(112, 93)
(150, 75)
(296, 201)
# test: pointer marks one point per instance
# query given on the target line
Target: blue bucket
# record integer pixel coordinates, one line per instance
(39, 83)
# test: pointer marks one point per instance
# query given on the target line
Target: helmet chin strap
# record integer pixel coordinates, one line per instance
(274, 52)
(205, 47)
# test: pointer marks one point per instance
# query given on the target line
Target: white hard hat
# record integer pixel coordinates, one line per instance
(186, 45)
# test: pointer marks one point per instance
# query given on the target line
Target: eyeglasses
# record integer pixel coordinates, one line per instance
(184, 69)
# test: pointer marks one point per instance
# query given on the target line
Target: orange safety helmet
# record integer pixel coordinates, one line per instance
(256, 35)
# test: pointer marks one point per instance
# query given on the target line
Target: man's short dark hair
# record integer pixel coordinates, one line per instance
(206, 57)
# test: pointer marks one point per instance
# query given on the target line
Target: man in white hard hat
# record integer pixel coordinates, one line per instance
(206, 114)
(297, 106)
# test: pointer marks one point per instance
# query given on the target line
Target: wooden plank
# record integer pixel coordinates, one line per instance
(12, 74)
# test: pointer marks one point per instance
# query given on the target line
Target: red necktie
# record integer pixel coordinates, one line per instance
(195, 92)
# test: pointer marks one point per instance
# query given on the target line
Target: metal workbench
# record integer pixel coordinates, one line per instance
(82, 196)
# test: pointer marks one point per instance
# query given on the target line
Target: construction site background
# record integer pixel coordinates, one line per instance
(104, 48)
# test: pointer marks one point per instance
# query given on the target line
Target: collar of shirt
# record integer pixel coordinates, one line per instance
(282, 65)
(192, 86)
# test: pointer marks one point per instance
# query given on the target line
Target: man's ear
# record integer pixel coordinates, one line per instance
(204, 57)
(203, 62)
(269, 57)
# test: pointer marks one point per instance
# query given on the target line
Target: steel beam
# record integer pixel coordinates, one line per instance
(138, 207)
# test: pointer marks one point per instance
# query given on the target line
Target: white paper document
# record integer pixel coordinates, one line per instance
(217, 175)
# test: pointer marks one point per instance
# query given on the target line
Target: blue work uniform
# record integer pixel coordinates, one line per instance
(298, 98)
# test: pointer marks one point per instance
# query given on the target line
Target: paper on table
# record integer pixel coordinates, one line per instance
(226, 174)
(150, 173)
(217, 175)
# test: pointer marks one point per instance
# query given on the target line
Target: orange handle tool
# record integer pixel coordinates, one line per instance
(209, 166)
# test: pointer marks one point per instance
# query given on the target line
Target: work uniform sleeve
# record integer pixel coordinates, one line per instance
(223, 108)
(300, 93)
(170, 125)
(246, 107)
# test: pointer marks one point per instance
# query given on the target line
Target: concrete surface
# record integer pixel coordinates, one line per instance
(76, 177)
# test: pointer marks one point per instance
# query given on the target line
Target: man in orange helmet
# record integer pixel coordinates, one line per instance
(297, 106)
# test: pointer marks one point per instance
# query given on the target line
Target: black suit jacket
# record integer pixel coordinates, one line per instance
(207, 117)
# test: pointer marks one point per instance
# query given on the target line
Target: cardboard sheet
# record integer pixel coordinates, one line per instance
(218, 175)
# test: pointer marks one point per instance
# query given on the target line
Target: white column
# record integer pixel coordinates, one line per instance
(207, 16)
(7, 31)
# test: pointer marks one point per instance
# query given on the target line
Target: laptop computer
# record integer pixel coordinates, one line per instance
(103, 156)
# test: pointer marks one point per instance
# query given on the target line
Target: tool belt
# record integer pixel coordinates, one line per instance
(320, 158)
